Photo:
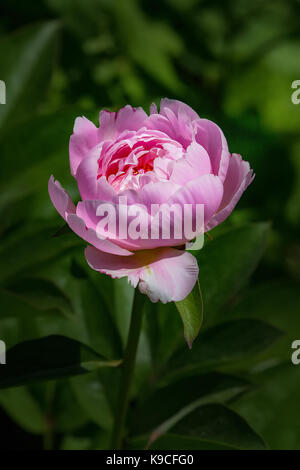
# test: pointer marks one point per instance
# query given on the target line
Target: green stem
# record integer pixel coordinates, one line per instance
(128, 369)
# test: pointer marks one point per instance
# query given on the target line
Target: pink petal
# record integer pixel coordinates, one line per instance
(175, 120)
(163, 167)
(206, 190)
(171, 278)
(196, 163)
(78, 226)
(83, 228)
(60, 198)
(87, 210)
(153, 109)
(105, 192)
(127, 118)
(83, 139)
(216, 146)
(176, 128)
(180, 109)
(238, 178)
(87, 176)
(164, 274)
(156, 193)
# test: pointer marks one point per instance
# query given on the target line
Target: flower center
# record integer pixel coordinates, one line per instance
(129, 163)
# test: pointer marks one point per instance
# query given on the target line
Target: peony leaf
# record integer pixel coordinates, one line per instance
(49, 358)
(227, 262)
(26, 67)
(210, 427)
(173, 401)
(225, 344)
(191, 312)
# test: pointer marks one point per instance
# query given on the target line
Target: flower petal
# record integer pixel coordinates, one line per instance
(164, 274)
(206, 190)
(196, 163)
(151, 193)
(127, 118)
(83, 139)
(213, 140)
(60, 198)
(180, 109)
(239, 176)
(115, 216)
(77, 224)
(87, 176)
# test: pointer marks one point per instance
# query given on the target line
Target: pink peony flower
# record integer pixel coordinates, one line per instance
(172, 156)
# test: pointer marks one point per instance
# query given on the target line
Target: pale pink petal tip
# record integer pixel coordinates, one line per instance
(163, 274)
(60, 198)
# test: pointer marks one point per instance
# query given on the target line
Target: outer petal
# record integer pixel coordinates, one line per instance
(238, 178)
(206, 190)
(60, 198)
(127, 118)
(212, 138)
(87, 210)
(83, 139)
(89, 235)
(87, 176)
(64, 205)
(164, 274)
(175, 119)
(180, 109)
(177, 129)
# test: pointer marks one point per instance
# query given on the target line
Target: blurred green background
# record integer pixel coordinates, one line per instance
(233, 62)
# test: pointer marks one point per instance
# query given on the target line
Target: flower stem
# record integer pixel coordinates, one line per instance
(128, 369)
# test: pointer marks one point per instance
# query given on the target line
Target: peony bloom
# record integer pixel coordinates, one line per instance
(170, 157)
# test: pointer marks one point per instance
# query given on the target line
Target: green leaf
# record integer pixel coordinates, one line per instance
(224, 344)
(48, 358)
(151, 45)
(164, 328)
(89, 438)
(273, 405)
(49, 137)
(174, 401)
(215, 425)
(176, 442)
(226, 263)
(13, 305)
(123, 299)
(36, 246)
(64, 410)
(267, 301)
(102, 333)
(91, 396)
(22, 407)
(26, 67)
(210, 427)
(191, 312)
(35, 295)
